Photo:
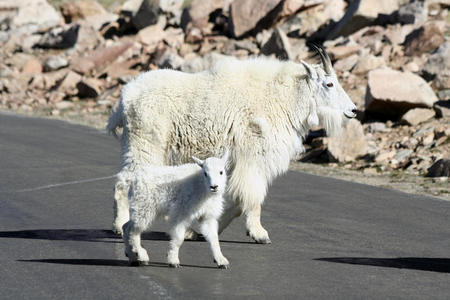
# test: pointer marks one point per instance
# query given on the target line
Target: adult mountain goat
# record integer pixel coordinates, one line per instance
(259, 108)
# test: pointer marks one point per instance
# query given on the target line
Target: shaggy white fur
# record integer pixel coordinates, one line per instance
(191, 197)
(260, 108)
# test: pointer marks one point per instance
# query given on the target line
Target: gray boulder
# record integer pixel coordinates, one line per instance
(439, 62)
(53, 63)
(413, 12)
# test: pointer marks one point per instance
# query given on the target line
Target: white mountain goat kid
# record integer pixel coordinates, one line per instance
(190, 194)
(260, 108)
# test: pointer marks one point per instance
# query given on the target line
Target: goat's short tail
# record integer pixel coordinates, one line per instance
(115, 121)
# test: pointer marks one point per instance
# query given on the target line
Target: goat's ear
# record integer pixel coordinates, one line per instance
(309, 69)
(226, 155)
(198, 161)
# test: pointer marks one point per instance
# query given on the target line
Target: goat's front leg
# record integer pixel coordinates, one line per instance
(176, 240)
(209, 228)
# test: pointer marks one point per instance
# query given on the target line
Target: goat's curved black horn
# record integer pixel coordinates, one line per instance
(324, 57)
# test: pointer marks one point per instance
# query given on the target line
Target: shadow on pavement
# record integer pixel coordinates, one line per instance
(441, 265)
(84, 262)
(106, 262)
(92, 235)
(86, 235)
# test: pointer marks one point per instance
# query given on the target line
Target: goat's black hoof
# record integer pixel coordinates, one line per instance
(223, 266)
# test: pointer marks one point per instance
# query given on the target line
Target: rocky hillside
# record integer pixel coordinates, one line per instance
(392, 57)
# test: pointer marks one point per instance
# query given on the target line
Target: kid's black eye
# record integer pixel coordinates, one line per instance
(206, 175)
(330, 84)
(221, 172)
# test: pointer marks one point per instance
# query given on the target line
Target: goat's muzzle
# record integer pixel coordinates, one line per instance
(350, 114)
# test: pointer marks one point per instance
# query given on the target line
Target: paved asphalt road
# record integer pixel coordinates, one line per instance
(331, 239)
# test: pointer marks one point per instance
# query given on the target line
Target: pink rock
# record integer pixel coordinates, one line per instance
(417, 115)
(392, 93)
(292, 6)
(123, 68)
(32, 66)
(245, 14)
(396, 34)
(367, 63)
(361, 13)
(151, 35)
(99, 57)
(69, 82)
(80, 9)
(346, 64)
(196, 14)
(339, 52)
(350, 145)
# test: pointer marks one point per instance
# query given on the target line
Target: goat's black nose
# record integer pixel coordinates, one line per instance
(214, 187)
(354, 111)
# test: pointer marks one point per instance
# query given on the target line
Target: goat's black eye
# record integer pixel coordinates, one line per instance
(206, 175)
(221, 172)
(329, 84)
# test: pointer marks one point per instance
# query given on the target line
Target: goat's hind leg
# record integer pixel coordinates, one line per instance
(121, 206)
(254, 227)
(176, 240)
(137, 255)
(231, 212)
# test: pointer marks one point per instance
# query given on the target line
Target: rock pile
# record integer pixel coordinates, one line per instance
(391, 56)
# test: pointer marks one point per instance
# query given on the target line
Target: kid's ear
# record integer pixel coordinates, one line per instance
(226, 155)
(198, 161)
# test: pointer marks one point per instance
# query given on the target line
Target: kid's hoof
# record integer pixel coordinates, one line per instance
(175, 266)
(263, 241)
(143, 263)
(223, 263)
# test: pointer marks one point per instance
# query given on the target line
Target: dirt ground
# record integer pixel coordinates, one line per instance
(437, 187)
(398, 180)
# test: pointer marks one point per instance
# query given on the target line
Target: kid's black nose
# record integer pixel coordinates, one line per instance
(214, 187)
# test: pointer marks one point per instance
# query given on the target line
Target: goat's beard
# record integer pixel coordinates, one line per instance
(331, 119)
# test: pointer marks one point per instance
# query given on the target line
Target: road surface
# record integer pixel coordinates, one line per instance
(331, 238)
